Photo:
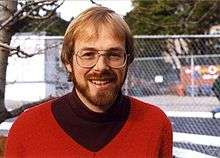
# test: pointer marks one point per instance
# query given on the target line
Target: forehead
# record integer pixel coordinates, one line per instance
(103, 36)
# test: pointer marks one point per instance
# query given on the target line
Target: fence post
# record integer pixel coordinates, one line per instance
(192, 75)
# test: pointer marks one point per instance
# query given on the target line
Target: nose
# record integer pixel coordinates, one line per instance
(101, 64)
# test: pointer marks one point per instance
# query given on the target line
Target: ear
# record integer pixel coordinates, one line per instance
(68, 67)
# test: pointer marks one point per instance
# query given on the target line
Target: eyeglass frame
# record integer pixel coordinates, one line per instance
(126, 56)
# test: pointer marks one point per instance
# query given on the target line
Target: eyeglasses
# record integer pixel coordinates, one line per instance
(113, 58)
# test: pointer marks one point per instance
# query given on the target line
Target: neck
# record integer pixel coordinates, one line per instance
(91, 106)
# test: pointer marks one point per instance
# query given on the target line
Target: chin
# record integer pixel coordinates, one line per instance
(103, 98)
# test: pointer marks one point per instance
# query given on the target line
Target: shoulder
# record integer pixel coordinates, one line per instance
(42, 108)
(29, 125)
(144, 106)
(33, 115)
(148, 111)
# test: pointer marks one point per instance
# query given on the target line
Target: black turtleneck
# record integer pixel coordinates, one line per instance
(90, 129)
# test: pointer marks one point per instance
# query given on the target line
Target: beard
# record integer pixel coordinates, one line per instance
(102, 97)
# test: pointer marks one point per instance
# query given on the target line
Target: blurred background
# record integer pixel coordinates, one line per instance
(176, 67)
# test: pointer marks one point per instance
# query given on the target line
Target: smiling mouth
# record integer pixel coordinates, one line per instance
(101, 82)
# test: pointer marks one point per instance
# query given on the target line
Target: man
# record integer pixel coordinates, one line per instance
(96, 119)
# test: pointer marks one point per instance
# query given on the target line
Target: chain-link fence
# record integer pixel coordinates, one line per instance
(177, 73)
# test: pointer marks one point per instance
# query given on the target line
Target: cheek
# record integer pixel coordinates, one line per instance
(79, 73)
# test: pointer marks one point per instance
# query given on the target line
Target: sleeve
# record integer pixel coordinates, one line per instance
(14, 142)
(166, 148)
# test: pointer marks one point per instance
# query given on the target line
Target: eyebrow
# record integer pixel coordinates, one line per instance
(111, 48)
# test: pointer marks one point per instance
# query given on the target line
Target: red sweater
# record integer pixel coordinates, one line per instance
(146, 134)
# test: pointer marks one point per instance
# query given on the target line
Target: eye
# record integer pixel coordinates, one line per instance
(87, 54)
(115, 55)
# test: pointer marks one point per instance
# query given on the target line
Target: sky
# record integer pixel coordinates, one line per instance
(72, 8)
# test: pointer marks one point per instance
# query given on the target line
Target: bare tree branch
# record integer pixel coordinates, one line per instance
(214, 6)
(16, 51)
(16, 15)
(93, 2)
(22, 13)
(50, 13)
(6, 8)
(22, 54)
(192, 11)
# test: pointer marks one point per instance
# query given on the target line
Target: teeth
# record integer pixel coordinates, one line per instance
(100, 82)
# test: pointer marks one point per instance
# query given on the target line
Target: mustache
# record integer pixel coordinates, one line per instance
(105, 74)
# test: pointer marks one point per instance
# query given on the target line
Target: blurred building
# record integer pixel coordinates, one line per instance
(39, 76)
(214, 30)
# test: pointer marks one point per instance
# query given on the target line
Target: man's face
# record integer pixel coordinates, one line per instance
(100, 84)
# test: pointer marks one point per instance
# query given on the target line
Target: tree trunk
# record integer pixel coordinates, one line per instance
(7, 8)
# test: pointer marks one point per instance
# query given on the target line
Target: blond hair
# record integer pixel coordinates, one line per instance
(95, 18)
